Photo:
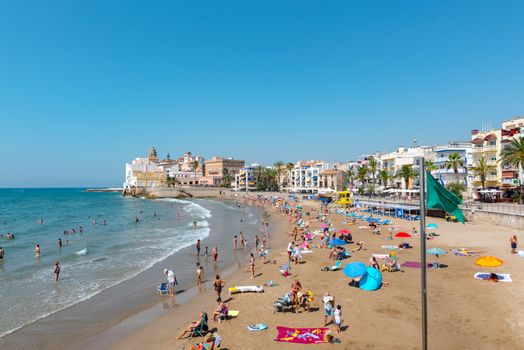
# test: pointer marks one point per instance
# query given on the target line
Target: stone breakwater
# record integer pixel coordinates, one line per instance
(184, 192)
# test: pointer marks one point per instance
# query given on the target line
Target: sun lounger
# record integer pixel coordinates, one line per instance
(245, 289)
(502, 277)
(392, 247)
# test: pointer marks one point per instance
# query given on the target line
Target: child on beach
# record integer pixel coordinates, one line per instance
(328, 308)
(338, 317)
(252, 265)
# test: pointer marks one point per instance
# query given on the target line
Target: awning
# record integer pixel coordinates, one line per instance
(478, 140)
(490, 137)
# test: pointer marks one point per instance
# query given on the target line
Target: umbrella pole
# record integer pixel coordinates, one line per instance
(423, 281)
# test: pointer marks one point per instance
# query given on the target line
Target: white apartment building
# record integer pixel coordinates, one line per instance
(245, 179)
(305, 176)
(445, 175)
(393, 162)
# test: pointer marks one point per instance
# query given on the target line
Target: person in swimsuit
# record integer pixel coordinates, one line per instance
(513, 241)
(59, 243)
(252, 265)
(242, 240)
(215, 254)
(56, 271)
(235, 242)
(218, 284)
(37, 250)
(197, 246)
(199, 275)
(1, 253)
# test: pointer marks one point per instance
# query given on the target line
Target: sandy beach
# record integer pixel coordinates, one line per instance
(464, 313)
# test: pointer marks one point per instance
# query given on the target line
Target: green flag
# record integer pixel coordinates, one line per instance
(439, 197)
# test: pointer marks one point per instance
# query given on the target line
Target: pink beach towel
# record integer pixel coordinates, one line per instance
(301, 335)
(414, 264)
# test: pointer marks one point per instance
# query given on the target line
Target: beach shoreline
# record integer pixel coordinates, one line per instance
(76, 322)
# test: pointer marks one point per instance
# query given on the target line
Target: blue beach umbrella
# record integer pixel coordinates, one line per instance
(431, 226)
(355, 269)
(435, 251)
(337, 241)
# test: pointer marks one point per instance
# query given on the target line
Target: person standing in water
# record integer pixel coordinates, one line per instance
(56, 271)
(1, 254)
(242, 240)
(206, 253)
(59, 243)
(37, 250)
(197, 247)
(215, 254)
(235, 242)
(194, 224)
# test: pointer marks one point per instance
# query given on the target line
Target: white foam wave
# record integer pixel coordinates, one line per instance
(81, 252)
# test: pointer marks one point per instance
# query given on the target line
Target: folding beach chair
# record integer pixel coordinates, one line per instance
(201, 330)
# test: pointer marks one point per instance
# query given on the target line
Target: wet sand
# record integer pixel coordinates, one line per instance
(464, 313)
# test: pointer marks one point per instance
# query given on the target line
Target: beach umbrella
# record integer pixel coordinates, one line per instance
(344, 232)
(372, 280)
(403, 235)
(337, 241)
(489, 261)
(355, 269)
(436, 251)
(432, 226)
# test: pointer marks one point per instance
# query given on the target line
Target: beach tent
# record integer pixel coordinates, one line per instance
(355, 269)
(372, 280)
(489, 261)
(432, 226)
(336, 241)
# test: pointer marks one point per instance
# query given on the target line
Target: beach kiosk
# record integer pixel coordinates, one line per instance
(344, 198)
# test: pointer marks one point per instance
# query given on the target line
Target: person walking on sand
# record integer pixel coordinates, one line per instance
(197, 247)
(218, 284)
(337, 315)
(199, 275)
(56, 271)
(215, 254)
(513, 242)
(252, 265)
(171, 280)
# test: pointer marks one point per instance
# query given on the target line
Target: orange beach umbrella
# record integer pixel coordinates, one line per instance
(489, 261)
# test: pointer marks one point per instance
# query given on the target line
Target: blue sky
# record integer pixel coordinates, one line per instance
(87, 85)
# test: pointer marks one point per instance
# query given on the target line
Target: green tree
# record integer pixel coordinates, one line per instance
(373, 168)
(195, 165)
(279, 168)
(384, 175)
(362, 174)
(513, 154)
(454, 162)
(406, 172)
(351, 173)
(457, 188)
(482, 169)
(226, 178)
(430, 165)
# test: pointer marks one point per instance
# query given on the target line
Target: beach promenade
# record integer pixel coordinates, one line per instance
(464, 313)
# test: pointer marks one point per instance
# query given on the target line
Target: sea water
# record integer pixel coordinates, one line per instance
(113, 247)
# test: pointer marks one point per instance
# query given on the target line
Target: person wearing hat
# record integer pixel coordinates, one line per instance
(171, 280)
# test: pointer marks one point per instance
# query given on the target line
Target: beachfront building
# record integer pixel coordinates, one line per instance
(245, 179)
(331, 181)
(218, 169)
(447, 175)
(393, 162)
(144, 172)
(305, 176)
(487, 144)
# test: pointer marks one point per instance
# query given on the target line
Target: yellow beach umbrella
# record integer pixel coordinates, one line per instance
(489, 261)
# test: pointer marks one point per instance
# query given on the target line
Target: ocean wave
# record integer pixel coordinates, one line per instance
(81, 252)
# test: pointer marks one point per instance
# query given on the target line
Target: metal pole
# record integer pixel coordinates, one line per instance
(423, 281)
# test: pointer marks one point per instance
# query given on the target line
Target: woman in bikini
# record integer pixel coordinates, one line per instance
(218, 284)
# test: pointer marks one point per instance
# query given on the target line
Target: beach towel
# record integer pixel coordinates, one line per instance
(362, 227)
(301, 335)
(381, 256)
(392, 247)
(305, 251)
(502, 277)
(243, 289)
(414, 264)
(521, 253)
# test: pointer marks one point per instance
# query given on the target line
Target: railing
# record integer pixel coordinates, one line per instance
(502, 208)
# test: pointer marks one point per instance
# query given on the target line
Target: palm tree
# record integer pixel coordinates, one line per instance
(289, 166)
(454, 162)
(430, 165)
(226, 178)
(195, 165)
(407, 173)
(513, 154)
(362, 174)
(384, 175)
(373, 167)
(482, 169)
(279, 167)
(457, 188)
(350, 176)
